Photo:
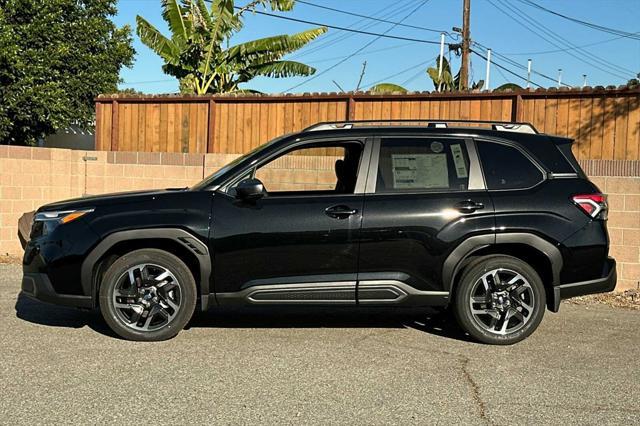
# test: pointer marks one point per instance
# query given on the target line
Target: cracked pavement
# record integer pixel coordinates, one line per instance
(315, 366)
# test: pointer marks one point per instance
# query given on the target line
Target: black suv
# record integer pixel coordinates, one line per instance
(494, 220)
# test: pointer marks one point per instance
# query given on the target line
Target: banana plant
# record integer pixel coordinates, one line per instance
(197, 52)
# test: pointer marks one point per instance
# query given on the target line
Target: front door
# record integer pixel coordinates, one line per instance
(425, 196)
(299, 243)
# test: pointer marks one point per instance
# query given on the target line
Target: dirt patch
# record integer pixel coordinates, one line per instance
(629, 299)
(10, 260)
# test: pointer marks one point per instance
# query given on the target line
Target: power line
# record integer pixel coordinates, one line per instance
(517, 65)
(502, 67)
(591, 25)
(378, 37)
(336, 27)
(370, 17)
(561, 39)
(332, 39)
(412, 67)
(543, 52)
(366, 52)
(550, 41)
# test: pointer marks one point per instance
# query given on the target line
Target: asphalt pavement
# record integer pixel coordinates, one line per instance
(314, 366)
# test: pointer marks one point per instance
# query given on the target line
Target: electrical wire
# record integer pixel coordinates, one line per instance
(336, 27)
(544, 52)
(510, 61)
(366, 52)
(502, 67)
(591, 25)
(562, 39)
(549, 33)
(378, 37)
(370, 17)
(331, 40)
(412, 67)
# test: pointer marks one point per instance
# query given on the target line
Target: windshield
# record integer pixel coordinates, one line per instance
(215, 176)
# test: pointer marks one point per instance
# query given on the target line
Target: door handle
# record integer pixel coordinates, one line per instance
(468, 206)
(340, 212)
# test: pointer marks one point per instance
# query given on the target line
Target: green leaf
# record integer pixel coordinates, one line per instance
(281, 69)
(172, 14)
(154, 40)
(383, 88)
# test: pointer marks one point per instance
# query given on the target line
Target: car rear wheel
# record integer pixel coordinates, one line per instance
(147, 295)
(499, 300)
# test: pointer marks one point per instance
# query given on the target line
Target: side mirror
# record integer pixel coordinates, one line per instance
(250, 189)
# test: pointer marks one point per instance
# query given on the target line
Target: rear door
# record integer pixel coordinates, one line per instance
(424, 196)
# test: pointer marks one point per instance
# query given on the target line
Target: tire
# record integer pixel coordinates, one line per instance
(148, 281)
(504, 290)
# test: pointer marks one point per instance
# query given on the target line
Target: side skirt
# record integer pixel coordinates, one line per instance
(370, 293)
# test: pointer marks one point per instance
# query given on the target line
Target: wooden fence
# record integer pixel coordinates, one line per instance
(605, 123)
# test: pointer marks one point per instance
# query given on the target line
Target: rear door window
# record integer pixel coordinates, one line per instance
(506, 167)
(422, 164)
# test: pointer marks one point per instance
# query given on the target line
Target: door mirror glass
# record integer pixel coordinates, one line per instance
(250, 189)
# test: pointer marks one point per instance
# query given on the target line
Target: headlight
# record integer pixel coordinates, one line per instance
(60, 217)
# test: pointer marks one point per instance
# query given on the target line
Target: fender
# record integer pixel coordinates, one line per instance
(454, 261)
(188, 240)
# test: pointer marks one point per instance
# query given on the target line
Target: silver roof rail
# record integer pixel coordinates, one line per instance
(500, 126)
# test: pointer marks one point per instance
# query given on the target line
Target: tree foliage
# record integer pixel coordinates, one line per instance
(196, 52)
(55, 57)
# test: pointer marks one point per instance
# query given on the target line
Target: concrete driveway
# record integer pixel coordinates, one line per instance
(315, 366)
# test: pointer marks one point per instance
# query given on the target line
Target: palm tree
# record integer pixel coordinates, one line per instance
(195, 53)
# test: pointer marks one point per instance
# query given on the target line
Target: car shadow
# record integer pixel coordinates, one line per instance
(440, 323)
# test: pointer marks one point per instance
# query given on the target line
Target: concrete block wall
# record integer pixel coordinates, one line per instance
(31, 177)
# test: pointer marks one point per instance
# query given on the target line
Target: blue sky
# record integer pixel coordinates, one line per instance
(385, 58)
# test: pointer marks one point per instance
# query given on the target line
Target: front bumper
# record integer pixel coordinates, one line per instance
(38, 286)
(600, 285)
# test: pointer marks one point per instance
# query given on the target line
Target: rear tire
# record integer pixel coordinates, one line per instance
(499, 300)
(147, 295)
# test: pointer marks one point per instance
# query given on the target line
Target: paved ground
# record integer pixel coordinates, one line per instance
(314, 366)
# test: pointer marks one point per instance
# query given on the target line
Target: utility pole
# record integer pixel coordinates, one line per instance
(529, 74)
(466, 41)
(584, 81)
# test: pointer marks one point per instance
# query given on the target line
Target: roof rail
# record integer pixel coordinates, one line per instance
(501, 126)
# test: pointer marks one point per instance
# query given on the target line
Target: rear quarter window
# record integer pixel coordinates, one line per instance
(506, 167)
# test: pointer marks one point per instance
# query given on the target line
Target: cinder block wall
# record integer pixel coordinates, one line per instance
(31, 177)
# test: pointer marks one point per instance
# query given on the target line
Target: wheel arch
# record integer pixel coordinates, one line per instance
(530, 248)
(173, 240)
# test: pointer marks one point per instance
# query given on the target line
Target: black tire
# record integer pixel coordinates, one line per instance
(186, 302)
(480, 327)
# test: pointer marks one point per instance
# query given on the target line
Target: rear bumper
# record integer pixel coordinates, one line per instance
(38, 286)
(600, 285)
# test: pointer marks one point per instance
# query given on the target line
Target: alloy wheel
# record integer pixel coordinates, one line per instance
(147, 297)
(502, 301)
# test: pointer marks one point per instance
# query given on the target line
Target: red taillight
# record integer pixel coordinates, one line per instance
(592, 204)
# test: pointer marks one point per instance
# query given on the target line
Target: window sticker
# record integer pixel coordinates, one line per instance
(458, 161)
(419, 171)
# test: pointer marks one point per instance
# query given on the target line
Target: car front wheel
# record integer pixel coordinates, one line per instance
(147, 295)
(499, 300)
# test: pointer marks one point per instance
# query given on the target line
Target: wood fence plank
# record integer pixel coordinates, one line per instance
(633, 129)
(584, 133)
(609, 128)
(142, 121)
(597, 128)
(621, 113)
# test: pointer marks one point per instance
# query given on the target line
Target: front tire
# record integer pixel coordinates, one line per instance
(500, 300)
(147, 295)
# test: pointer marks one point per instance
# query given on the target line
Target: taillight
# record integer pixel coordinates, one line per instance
(595, 205)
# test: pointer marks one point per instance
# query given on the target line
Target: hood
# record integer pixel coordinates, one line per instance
(113, 198)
